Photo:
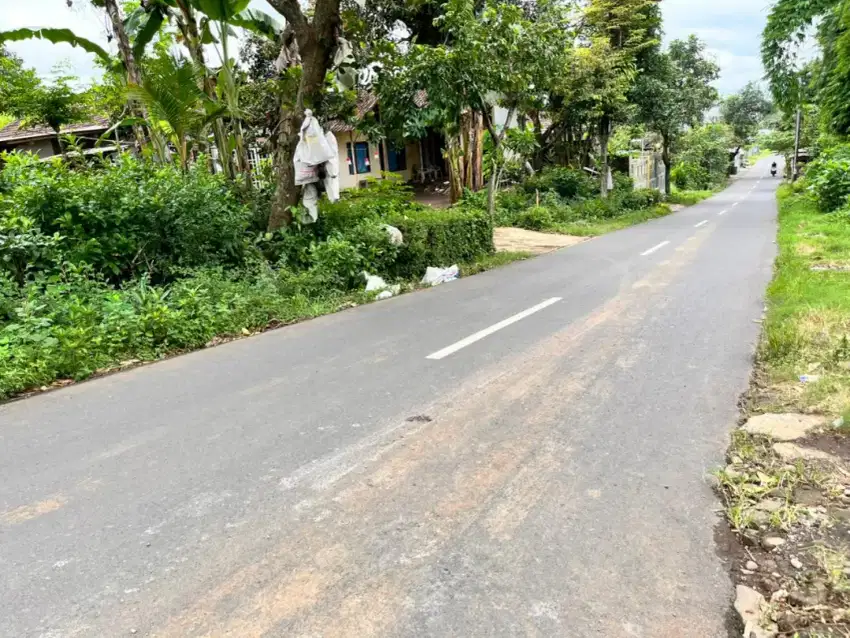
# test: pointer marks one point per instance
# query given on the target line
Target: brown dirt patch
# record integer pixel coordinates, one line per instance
(806, 504)
(521, 240)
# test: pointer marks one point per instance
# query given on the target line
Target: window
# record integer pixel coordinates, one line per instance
(358, 161)
(396, 159)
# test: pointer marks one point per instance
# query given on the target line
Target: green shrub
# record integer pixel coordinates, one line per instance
(828, 178)
(129, 217)
(622, 182)
(432, 237)
(569, 183)
(688, 176)
(594, 209)
(440, 238)
(74, 324)
(337, 263)
(535, 218)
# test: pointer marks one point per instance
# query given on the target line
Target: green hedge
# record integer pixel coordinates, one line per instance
(432, 237)
(440, 238)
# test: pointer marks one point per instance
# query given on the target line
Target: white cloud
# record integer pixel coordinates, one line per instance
(731, 30)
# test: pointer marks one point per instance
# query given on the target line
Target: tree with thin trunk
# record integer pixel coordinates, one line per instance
(316, 40)
(129, 59)
(675, 92)
(620, 30)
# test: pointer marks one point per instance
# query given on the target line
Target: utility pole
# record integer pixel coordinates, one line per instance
(796, 144)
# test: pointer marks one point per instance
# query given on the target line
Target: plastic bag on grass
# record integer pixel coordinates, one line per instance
(374, 282)
(436, 276)
(396, 238)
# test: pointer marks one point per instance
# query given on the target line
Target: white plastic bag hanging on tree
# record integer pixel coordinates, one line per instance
(313, 149)
(311, 203)
(305, 174)
(332, 170)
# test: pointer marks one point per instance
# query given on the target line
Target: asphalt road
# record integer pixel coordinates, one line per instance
(330, 479)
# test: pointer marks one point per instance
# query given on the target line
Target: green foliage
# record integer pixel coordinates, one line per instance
(744, 111)
(566, 182)
(535, 218)
(828, 178)
(127, 218)
(56, 36)
(675, 89)
(704, 151)
(73, 325)
(336, 262)
(687, 175)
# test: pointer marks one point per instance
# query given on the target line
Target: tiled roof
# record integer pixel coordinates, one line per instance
(365, 103)
(14, 132)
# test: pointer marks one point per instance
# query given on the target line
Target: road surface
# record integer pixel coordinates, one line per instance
(520, 453)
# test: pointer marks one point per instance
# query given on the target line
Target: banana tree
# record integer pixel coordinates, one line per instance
(177, 107)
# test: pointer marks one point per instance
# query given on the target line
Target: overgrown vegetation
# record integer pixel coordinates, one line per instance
(807, 327)
(131, 260)
(564, 200)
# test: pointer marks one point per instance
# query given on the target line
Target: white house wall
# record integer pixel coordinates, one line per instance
(352, 181)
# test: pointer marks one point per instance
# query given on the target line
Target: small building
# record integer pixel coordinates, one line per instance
(43, 141)
(647, 170)
(361, 158)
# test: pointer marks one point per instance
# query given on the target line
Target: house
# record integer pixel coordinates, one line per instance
(43, 141)
(361, 158)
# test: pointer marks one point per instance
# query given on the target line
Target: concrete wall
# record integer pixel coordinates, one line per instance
(351, 181)
(42, 148)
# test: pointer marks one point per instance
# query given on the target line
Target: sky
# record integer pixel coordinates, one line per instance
(731, 30)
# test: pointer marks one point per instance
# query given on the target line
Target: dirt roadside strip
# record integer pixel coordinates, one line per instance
(521, 240)
(786, 486)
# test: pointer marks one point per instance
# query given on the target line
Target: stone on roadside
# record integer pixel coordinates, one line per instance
(769, 505)
(748, 603)
(783, 427)
(796, 563)
(793, 452)
(772, 542)
(752, 565)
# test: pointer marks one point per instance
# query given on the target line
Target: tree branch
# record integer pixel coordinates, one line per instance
(290, 10)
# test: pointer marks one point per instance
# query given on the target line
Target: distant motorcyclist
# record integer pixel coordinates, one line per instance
(773, 169)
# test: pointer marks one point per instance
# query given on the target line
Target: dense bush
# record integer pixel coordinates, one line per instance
(704, 152)
(74, 324)
(432, 237)
(688, 176)
(535, 218)
(569, 183)
(131, 260)
(828, 178)
(124, 218)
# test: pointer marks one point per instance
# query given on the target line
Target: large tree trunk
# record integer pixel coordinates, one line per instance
(316, 42)
(133, 74)
(604, 136)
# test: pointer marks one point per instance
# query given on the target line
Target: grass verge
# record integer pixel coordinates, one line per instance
(690, 198)
(789, 503)
(496, 260)
(593, 227)
(808, 318)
